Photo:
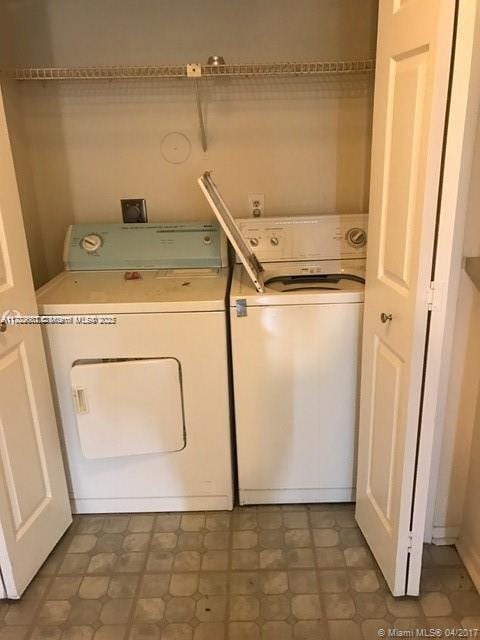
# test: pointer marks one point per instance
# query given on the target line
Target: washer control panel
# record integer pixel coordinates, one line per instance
(323, 237)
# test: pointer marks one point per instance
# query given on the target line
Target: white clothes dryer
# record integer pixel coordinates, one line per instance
(138, 355)
(296, 305)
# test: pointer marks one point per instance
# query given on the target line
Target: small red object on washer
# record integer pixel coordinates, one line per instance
(133, 275)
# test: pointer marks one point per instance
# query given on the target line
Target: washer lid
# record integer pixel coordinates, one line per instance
(225, 218)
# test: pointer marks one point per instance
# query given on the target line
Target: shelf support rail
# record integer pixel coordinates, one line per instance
(194, 71)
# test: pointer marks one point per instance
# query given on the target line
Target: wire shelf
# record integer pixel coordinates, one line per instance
(250, 70)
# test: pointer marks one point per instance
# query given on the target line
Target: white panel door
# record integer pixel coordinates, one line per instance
(411, 88)
(34, 505)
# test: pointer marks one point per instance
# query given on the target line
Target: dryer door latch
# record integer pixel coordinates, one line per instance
(241, 306)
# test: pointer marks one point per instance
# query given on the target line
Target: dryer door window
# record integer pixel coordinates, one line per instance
(128, 407)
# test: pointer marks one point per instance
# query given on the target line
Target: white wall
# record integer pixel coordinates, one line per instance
(304, 143)
(459, 474)
(469, 309)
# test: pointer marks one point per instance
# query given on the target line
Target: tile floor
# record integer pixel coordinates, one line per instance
(267, 573)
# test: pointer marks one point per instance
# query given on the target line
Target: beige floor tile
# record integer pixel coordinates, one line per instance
(187, 561)
(300, 558)
(306, 607)
(136, 542)
(302, 581)
(277, 631)
(364, 580)
(211, 608)
(115, 524)
(322, 519)
(52, 612)
(298, 538)
(216, 540)
(110, 632)
(109, 543)
(214, 583)
(123, 586)
(144, 631)
(276, 607)
(64, 588)
(246, 559)
(209, 631)
(192, 522)
(184, 584)
(435, 604)
(244, 631)
(190, 541)
(245, 582)
(219, 521)
(81, 632)
(177, 631)
(247, 539)
(167, 522)
(371, 605)
(325, 537)
(295, 519)
(142, 523)
(154, 585)
(329, 558)
(310, 630)
(180, 609)
(274, 582)
(116, 611)
(214, 560)
(149, 610)
(244, 608)
(344, 630)
(338, 605)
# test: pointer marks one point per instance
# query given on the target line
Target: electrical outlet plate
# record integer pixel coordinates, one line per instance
(134, 210)
(256, 204)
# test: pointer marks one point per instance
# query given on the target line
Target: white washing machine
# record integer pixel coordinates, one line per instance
(138, 355)
(296, 305)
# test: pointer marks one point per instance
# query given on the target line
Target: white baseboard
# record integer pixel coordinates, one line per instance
(445, 535)
(135, 505)
(291, 496)
(470, 559)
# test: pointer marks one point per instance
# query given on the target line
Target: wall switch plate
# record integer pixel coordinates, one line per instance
(256, 204)
(134, 210)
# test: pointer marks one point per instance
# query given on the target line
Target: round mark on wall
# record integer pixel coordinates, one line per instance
(175, 147)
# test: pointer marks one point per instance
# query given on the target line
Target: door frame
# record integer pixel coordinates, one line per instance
(459, 147)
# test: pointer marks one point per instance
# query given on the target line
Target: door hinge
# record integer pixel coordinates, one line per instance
(434, 296)
(410, 541)
(241, 306)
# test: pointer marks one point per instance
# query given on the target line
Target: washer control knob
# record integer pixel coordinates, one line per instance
(274, 241)
(91, 242)
(254, 242)
(207, 240)
(356, 237)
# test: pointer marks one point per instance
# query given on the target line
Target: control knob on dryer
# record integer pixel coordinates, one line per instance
(356, 237)
(91, 242)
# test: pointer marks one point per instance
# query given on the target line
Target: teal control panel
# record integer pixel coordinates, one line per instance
(144, 246)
